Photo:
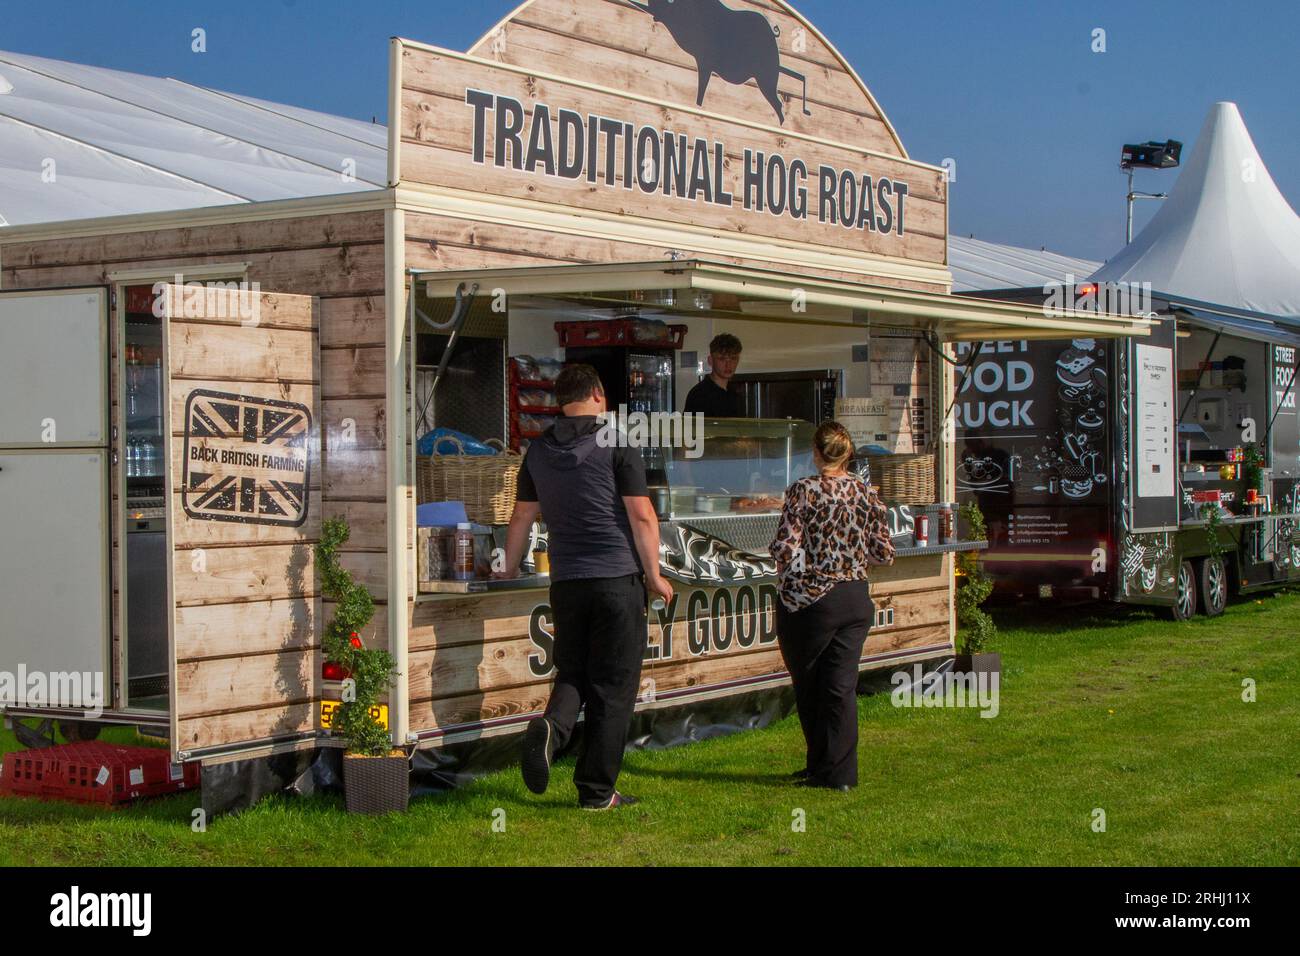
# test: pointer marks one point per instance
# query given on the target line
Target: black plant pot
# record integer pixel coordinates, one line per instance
(978, 663)
(376, 784)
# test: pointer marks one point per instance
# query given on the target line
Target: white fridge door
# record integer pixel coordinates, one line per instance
(54, 589)
(54, 368)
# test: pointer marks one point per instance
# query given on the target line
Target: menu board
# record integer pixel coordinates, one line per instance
(1154, 429)
(870, 421)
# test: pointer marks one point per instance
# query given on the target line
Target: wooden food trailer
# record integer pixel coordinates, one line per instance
(591, 168)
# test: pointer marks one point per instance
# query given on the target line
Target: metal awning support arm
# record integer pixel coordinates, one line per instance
(454, 325)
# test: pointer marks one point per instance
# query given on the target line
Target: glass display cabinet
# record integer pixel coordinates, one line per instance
(732, 484)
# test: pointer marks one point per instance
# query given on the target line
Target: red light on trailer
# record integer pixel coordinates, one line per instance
(332, 670)
(1087, 289)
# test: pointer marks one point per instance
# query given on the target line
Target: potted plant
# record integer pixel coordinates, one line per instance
(376, 776)
(975, 629)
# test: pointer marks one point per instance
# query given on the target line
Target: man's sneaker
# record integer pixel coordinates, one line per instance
(617, 800)
(536, 760)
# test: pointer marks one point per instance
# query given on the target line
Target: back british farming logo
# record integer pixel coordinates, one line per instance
(246, 459)
(736, 45)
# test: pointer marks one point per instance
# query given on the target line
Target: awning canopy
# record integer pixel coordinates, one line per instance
(702, 288)
(1255, 328)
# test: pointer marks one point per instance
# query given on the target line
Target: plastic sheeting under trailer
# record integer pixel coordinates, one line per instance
(237, 785)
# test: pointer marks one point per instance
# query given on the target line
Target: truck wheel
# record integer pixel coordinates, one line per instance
(1213, 590)
(77, 731)
(1185, 600)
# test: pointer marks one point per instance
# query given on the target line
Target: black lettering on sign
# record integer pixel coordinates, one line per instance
(767, 598)
(246, 459)
(724, 625)
(540, 632)
(697, 624)
(663, 650)
(560, 144)
(746, 617)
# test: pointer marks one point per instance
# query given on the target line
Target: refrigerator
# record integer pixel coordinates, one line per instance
(143, 452)
(54, 496)
(640, 379)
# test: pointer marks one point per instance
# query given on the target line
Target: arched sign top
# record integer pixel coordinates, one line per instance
(719, 118)
(758, 61)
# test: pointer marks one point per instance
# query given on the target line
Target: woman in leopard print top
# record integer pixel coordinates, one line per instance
(833, 528)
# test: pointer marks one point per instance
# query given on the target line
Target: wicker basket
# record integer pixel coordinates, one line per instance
(376, 784)
(905, 479)
(486, 483)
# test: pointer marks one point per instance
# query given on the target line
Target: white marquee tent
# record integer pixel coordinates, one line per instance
(77, 142)
(1225, 236)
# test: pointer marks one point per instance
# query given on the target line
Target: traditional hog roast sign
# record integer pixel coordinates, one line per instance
(734, 115)
(245, 459)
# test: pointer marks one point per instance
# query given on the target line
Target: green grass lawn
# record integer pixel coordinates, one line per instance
(1118, 710)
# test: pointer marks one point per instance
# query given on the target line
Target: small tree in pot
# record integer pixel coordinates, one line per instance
(375, 775)
(975, 627)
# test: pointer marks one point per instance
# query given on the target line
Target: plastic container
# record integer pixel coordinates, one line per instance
(921, 530)
(95, 772)
(462, 551)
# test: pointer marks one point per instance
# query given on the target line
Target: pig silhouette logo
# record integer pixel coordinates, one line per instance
(737, 45)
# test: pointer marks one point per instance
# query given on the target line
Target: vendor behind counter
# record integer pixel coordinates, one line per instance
(713, 397)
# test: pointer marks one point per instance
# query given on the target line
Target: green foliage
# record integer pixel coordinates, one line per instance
(1213, 522)
(1253, 467)
(372, 670)
(974, 626)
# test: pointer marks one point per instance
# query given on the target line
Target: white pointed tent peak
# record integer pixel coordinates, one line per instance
(1226, 235)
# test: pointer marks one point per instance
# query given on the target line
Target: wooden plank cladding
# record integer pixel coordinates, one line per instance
(612, 44)
(653, 173)
(244, 422)
(598, 105)
(434, 242)
(494, 652)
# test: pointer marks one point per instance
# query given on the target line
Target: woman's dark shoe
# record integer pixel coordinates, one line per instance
(801, 774)
(536, 760)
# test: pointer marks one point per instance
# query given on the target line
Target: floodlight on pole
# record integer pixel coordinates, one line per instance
(1149, 155)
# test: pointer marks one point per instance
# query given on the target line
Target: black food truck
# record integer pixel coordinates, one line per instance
(1159, 472)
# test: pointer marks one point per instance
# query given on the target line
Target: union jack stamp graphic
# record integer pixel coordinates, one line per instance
(246, 459)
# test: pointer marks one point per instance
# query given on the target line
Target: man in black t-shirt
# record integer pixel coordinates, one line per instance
(603, 538)
(712, 397)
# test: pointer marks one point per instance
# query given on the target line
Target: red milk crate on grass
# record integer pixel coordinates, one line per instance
(95, 772)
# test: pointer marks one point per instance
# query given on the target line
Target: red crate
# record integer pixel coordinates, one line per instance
(95, 772)
(629, 333)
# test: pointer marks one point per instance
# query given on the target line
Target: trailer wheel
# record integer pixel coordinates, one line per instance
(1213, 590)
(77, 731)
(1185, 601)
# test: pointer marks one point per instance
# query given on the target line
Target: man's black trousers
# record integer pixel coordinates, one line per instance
(600, 640)
(822, 645)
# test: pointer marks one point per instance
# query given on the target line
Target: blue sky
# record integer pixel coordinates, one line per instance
(1011, 91)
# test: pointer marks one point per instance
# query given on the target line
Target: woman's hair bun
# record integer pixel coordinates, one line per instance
(833, 443)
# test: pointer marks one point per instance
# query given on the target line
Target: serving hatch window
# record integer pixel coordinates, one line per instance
(788, 372)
